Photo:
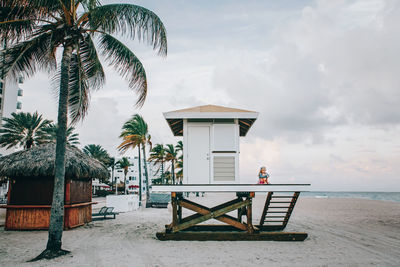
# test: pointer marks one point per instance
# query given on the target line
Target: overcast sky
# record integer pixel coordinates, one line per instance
(324, 76)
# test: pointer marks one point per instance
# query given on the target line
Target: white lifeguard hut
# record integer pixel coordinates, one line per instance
(210, 142)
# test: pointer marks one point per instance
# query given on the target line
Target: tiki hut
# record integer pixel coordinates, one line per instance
(31, 174)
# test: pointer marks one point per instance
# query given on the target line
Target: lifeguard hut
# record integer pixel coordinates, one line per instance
(211, 164)
(210, 142)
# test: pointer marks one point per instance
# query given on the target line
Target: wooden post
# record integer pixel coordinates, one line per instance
(174, 209)
(250, 228)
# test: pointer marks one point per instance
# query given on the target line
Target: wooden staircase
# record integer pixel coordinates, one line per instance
(277, 211)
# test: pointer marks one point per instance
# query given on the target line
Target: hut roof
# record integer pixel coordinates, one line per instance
(38, 161)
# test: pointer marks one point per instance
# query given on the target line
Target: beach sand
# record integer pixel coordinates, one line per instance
(350, 232)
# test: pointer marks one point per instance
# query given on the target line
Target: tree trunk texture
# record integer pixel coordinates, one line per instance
(140, 178)
(53, 248)
(125, 182)
(146, 173)
(173, 172)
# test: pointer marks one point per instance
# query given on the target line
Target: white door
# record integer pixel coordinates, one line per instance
(198, 154)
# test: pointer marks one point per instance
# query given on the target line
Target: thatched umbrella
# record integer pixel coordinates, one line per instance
(38, 161)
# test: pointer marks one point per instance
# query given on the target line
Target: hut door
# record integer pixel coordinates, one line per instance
(198, 154)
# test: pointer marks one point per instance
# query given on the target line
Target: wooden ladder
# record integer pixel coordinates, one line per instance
(276, 213)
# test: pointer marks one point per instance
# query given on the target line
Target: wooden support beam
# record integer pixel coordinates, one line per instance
(217, 213)
(233, 236)
(249, 221)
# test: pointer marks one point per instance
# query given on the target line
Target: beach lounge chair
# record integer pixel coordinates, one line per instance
(103, 214)
(158, 200)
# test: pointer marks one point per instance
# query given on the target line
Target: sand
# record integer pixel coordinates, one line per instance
(350, 232)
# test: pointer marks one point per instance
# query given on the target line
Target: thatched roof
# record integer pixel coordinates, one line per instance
(38, 161)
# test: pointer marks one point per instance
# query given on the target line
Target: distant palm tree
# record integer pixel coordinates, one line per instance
(135, 134)
(179, 161)
(157, 155)
(179, 146)
(124, 164)
(97, 152)
(111, 164)
(179, 167)
(51, 131)
(171, 156)
(23, 129)
(36, 29)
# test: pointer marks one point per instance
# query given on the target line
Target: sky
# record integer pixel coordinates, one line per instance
(324, 76)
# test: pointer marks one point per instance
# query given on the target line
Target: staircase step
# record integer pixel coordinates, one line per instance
(280, 202)
(278, 207)
(272, 216)
(282, 196)
(275, 221)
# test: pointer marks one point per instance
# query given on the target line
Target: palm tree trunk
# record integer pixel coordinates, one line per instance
(57, 207)
(173, 172)
(140, 178)
(125, 182)
(162, 172)
(146, 174)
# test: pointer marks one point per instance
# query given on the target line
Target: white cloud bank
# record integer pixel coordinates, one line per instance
(323, 75)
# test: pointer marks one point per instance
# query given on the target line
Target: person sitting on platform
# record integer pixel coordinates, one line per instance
(263, 176)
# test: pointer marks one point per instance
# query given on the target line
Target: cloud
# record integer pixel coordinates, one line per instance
(322, 74)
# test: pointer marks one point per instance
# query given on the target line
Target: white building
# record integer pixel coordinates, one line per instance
(210, 142)
(132, 177)
(10, 94)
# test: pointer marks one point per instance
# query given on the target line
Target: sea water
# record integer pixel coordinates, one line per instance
(385, 196)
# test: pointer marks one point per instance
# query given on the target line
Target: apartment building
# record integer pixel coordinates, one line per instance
(10, 101)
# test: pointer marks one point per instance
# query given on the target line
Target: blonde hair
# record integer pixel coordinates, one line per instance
(261, 169)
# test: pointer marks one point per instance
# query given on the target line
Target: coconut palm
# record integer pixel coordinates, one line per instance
(97, 152)
(111, 164)
(157, 155)
(124, 164)
(23, 129)
(51, 132)
(179, 168)
(171, 155)
(36, 29)
(135, 134)
(179, 161)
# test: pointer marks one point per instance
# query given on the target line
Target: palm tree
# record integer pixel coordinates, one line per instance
(97, 152)
(135, 134)
(171, 156)
(179, 162)
(111, 164)
(51, 131)
(157, 155)
(23, 129)
(35, 30)
(124, 164)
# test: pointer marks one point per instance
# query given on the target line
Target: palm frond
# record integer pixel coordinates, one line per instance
(130, 19)
(28, 57)
(127, 65)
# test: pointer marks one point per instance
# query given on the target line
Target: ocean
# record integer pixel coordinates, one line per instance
(385, 196)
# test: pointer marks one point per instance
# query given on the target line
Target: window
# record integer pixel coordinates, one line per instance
(19, 105)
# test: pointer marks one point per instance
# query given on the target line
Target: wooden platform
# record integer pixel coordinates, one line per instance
(232, 236)
(235, 228)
